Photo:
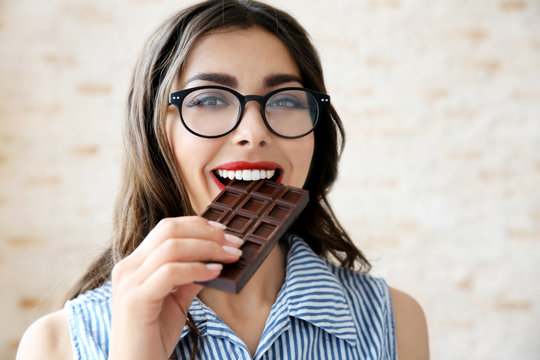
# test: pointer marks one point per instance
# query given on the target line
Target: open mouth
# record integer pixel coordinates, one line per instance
(225, 176)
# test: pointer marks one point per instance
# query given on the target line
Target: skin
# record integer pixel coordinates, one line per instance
(154, 286)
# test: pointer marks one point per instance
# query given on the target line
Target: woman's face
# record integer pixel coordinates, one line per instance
(252, 62)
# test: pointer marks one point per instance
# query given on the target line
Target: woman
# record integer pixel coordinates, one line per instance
(141, 299)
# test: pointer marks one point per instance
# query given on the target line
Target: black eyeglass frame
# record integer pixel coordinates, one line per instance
(176, 99)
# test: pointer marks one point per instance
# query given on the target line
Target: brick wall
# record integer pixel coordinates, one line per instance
(441, 102)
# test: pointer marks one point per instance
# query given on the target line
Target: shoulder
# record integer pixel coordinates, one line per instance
(411, 327)
(47, 338)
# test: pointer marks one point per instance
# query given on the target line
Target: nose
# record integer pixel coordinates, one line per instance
(251, 132)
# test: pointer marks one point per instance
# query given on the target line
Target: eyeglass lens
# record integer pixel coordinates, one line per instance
(212, 112)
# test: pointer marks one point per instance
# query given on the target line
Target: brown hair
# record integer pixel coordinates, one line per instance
(151, 188)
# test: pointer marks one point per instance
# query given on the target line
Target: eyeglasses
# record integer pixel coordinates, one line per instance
(214, 111)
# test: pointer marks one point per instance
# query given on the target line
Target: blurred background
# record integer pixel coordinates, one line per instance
(439, 182)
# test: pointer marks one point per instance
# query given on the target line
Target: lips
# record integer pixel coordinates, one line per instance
(246, 171)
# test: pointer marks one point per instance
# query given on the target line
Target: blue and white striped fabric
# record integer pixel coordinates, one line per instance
(322, 312)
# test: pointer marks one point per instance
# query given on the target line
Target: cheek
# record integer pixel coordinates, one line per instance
(192, 154)
(183, 146)
(301, 154)
(307, 152)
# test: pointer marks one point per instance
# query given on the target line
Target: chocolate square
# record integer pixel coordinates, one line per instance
(252, 249)
(228, 198)
(264, 230)
(253, 204)
(238, 222)
(267, 189)
(291, 195)
(278, 212)
(215, 213)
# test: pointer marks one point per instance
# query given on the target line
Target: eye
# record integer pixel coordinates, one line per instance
(206, 101)
(285, 102)
(291, 100)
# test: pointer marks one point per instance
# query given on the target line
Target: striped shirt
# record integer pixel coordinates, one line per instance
(322, 312)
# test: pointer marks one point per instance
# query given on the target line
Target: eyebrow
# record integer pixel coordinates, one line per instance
(278, 79)
(228, 80)
(218, 78)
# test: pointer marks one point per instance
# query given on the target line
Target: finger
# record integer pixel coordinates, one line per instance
(172, 228)
(174, 275)
(186, 250)
(184, 295)
(176, 306)
(182, 227)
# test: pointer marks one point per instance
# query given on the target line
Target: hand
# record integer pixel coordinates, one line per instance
(154, 286)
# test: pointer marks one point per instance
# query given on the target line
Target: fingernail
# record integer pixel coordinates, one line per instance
(232, 250)
(214, 266)
(233, 239)
(216, 224)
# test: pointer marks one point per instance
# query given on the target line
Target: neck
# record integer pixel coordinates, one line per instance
(261, 290)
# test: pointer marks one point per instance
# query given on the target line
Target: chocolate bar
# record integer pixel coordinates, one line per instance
(259, 212)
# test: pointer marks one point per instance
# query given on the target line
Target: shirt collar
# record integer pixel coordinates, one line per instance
(311, 292)
(208, 323)
(314, 294)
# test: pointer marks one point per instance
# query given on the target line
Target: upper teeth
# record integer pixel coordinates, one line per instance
(246, 174)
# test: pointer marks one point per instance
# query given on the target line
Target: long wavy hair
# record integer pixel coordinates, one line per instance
(151, 188)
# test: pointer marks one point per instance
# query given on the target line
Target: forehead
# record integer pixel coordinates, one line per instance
(247, 54)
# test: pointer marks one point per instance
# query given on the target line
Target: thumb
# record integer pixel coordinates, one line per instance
(185, 294)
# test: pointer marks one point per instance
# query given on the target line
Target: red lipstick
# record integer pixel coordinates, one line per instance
(246, 165)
